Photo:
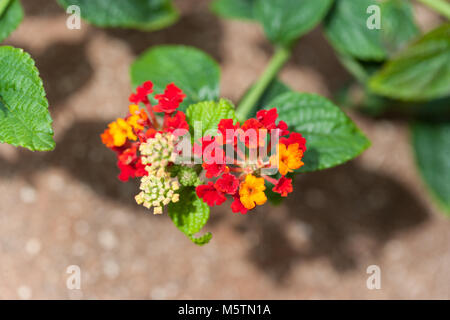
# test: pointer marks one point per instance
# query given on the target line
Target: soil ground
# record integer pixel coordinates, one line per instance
(67, 208)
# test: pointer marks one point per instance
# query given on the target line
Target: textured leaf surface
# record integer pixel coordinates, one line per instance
(10, 18)
(284, 21)
(197, 74)
(398, 25)
(234, 9)
(209, 114)
(431, 143)
(137, 14)
(346, 29)
(24, 117)
(332, 137)
(190, 215)
(420, 72)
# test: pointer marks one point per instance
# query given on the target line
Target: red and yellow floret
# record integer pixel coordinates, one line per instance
(288, 159)
(145, 147)
(146, 142)
(241, 176)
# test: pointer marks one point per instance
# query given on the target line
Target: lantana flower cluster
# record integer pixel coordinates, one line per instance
(145, 147)
(239, 161)
(244, 173)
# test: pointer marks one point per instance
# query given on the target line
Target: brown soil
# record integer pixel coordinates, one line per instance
(67, 208)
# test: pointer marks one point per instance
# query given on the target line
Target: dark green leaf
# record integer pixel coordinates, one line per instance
(136, 14)
(431, 143)
(420, 72)
(190, 215)
(284, 21)
(197, 74)
(24, 117)
(234, 9)
(10, 19)
(332, 137)
(398, 25)
(346, 29)
(209, 114)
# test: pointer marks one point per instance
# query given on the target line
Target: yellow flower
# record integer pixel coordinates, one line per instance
(137, 117)
(288, 158)
(120, 131)
(251, 192)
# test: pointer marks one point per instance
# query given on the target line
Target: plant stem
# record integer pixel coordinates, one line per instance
(282, 54)
(441, 6)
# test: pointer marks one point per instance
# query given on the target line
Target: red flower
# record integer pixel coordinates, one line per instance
(283, 127)
(227, 184)
(226, 125)
(170, 100)
(295, 138)
(215, 169)
(237, 205)
(210, 194)
(141, 93)
(177, 121)
(259, 133)
(130, 165)
(283, 187)
(213, 156)
(267, 118)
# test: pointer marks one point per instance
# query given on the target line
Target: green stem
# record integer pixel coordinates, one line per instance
(441, 6)
(355, 68)
(247, 104)
(3, 5)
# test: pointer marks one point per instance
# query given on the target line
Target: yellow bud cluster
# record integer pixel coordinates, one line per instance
(158, 189)
(158, 192)
(159, 151)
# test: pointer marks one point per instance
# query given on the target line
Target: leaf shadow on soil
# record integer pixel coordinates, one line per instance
(340, 214)
(199, 29)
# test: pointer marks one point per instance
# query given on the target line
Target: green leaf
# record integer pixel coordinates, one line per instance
(196, 73)
(209, 114)
(10, 19)
(135, 14)
(398, 25)
(284, 21)
(421, 72)
(346, 29)
(24, 117)
(190, 215)
(332, 137)
(234, 9)
(431, 143)
(3, 5)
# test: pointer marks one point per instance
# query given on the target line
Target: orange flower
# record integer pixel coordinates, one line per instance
(288, 158)
(138, 118)
(251, 192)
(117, 133)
